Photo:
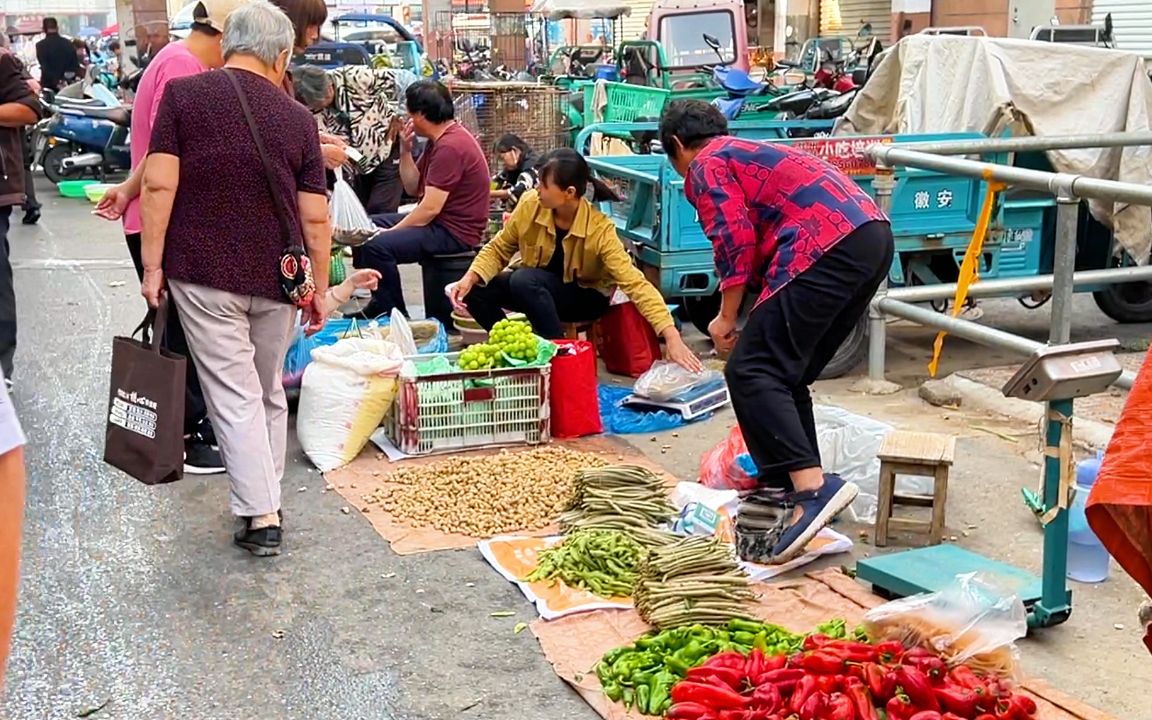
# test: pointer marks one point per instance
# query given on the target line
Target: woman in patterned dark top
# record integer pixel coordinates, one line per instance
(214, 236)
(520, 173)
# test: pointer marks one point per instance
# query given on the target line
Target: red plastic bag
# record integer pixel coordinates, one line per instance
(626, 341)
(719, 469)
(1119, 509)
(575, 403)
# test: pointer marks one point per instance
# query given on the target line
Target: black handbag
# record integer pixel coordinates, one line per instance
(295, 271)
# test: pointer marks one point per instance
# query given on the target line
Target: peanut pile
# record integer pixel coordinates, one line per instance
(485, 496)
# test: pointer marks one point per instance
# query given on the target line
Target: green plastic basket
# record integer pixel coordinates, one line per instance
(74, 188)
(626, 102)
(337, 271)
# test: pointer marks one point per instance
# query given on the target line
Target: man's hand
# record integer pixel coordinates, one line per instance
(460, 290)
(334, 156)
(152, 287)
(723, 332)
(114, 203)
(407, 138)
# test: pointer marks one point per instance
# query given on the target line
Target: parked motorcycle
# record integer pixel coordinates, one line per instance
(85, 135)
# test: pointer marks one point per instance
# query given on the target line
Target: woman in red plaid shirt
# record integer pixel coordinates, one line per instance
(814, 247)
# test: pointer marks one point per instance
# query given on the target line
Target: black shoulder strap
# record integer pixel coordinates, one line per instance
(277, 201)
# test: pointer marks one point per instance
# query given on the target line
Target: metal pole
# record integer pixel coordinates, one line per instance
(882, 185)
(994, 288)
(1063, 269)
(973, 332)
(1059, 184)
(1031, 144)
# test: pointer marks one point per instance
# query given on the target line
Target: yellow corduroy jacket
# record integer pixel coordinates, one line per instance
(593, 255)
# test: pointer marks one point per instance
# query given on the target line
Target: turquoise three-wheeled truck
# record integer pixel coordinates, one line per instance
(933, 218)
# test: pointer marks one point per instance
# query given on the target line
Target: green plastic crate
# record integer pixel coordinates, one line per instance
(626, 102)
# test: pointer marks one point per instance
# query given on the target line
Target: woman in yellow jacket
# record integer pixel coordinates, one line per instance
(571, 261)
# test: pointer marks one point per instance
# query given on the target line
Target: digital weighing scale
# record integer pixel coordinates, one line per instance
(1055, 375)
(691, 404)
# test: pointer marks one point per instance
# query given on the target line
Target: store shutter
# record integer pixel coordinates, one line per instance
(843, 18)
(1132, 23)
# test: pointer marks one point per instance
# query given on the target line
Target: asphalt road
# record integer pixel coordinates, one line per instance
(134, 601)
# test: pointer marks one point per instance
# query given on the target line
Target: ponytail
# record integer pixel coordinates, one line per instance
(566, 168)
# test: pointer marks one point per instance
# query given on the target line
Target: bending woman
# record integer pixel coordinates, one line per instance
(518, 175)
(571, 261)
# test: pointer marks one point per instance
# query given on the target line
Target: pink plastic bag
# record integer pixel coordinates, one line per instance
(719, 468)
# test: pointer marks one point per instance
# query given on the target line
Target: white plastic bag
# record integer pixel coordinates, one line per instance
(665, 380)
(346, 391)
(402, 335)
(350, 222)
(848, 446)
(975, 621)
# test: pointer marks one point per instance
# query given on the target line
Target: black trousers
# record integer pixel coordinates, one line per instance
(406, 245)
(541, 295)
(30, 201)
(195, 411)
(789, 339)
(7, 298)
(381, 190)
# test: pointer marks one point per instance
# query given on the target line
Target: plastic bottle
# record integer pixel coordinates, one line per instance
(1088, 560)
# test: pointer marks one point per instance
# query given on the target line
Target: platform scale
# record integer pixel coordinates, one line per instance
(1055, 375)
(691, 404)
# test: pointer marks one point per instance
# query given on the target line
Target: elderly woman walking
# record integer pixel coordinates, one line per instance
(224, 204)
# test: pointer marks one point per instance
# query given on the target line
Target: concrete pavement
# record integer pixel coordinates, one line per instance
(134, 601)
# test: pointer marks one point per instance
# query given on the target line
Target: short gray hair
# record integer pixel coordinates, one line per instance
(312, 85)
(259, 29)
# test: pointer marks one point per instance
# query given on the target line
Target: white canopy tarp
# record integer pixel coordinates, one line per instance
(562, 9)
(936, 84)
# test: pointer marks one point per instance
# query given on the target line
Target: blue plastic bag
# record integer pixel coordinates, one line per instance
(621, 420)
(299, 353)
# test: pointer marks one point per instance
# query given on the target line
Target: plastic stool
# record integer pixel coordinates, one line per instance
(437, 272)
(919, 454)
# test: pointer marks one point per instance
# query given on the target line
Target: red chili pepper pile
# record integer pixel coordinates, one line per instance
(842, 680)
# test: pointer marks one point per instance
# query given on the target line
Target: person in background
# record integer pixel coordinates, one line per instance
(59, 64)
(307, 16)
(81, 49)
(12, 480)
(571, 262)
(360, 105)
(815, 247)
(199, 52)
(31, 205)
(452, 182)
(213, 234)
(19, 108)
(518, 175)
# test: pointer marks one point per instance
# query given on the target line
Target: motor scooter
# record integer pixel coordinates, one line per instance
(83, 137)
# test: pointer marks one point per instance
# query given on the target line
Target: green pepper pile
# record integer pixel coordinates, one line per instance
(641, 675)
(600, 561)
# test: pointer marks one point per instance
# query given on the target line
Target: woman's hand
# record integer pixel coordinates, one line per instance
(114, 203)
(152, 287)
(330, 139)
(364, 279)
(723, 332)
(680, 353)
(460, 290)
(315, 315)
(334, 156)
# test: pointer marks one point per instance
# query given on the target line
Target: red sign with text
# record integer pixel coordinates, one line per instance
(846, 153)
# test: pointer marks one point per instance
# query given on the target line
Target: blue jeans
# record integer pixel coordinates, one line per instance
(406, 245)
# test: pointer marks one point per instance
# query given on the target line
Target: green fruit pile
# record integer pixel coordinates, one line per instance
(480, 357)
(515, 339)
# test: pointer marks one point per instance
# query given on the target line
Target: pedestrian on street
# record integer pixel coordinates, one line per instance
(19, 108)
(11, 518)
(452, 181)
(216, 226)
(361, 106)
(31, 205)
(814, 247)
(199, 52)
(59, 64)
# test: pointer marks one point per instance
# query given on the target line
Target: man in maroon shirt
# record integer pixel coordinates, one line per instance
(452, 181)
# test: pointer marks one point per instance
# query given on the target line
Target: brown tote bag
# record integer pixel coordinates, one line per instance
(145, 435)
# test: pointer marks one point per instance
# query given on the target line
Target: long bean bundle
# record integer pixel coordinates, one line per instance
(628, 498)
(693, 580)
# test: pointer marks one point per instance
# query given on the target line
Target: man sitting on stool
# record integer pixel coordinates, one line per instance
(452, 181)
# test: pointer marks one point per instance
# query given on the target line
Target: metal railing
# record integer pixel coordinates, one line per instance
(1068, 189)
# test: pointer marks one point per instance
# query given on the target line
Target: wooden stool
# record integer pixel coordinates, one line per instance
(572, 331)
(923, 455)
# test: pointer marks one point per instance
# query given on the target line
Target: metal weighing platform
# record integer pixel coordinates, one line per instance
(691, 404)
(1055, 375)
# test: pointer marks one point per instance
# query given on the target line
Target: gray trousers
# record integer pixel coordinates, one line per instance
(238, 343)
